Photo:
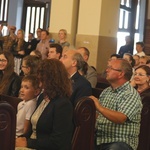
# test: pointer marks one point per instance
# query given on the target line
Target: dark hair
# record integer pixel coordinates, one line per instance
(39, 29)
(54, 77)
(145, 68)
(140, 43)
(84, 68)
(58, 48)
(115, 55)
(87, 52)
(47, 33)
(6, 75)
(32, 62)
(33, 80)
(38, 54)
(31, 34)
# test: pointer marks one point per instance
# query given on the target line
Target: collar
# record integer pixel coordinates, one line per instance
(73, 74)
(120, 87)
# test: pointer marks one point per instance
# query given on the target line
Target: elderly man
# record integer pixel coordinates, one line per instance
(119, 107)
(73, 61)
(91, 74)
(55, 51)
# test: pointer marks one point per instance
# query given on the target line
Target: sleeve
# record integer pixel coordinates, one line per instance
(92, 77)
(84, 90)
(30, 107)
(62, 124)
(15, 87)
(13, 51)
(130, 105)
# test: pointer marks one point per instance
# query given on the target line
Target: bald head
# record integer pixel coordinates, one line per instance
(72, 60)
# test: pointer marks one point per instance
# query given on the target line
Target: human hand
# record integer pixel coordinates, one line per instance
(21, 52)
(96, 102)
(21, 142)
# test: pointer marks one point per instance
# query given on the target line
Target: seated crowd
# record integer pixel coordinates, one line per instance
(50, 79)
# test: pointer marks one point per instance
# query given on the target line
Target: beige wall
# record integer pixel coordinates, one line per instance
(61, 15)
(93, 24)
(97, 30)
(64, 16)
(148, 15)
(89, 17)
(109, 18)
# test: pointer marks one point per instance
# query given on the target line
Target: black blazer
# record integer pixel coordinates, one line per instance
(13, 86)
(81, 87)
(54, 127)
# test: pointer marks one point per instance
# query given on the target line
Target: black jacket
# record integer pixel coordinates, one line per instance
(81, 87)
(54, 127)
(13, 86)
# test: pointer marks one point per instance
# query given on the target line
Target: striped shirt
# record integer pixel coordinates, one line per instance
(126, 100)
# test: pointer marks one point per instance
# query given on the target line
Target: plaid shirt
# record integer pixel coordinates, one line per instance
(126, 100)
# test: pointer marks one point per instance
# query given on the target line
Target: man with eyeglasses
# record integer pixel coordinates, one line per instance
(119, 110)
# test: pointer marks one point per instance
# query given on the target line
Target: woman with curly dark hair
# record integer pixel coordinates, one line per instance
(9, 81)
(52, 124)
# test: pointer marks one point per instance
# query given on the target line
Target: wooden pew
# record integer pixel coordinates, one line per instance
(8, 111)
(96, 92)
(13, 101)
(7, 126)
(84, 118)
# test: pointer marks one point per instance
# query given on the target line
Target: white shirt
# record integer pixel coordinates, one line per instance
(140, 54)
(25, 110)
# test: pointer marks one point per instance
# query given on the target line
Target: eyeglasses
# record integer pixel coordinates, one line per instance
(24, 66)
(111, 68)
(140, 74)
(3, 60)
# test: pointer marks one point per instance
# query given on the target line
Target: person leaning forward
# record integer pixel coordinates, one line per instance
(119, 107)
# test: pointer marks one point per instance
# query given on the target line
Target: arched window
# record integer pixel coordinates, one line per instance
(131, 20)
(4, 15)
(35, 15)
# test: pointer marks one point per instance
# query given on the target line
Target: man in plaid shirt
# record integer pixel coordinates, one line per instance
(119, 107)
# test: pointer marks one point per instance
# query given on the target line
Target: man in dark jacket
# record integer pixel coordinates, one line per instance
(73, 61)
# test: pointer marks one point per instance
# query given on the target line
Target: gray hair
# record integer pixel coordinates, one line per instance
(126, 67)
(80, 61)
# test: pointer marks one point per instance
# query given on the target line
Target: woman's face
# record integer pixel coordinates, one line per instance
(141, 77)
(61, 35)
(25, 68)
(3, 62)
(19, 34)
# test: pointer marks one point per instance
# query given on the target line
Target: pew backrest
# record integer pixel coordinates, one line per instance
(84, 119)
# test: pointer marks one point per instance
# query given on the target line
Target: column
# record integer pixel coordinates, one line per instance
(97, 30)
(64, 16)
